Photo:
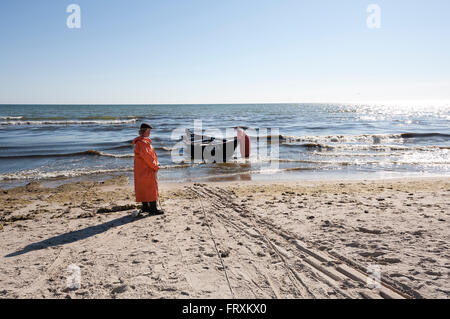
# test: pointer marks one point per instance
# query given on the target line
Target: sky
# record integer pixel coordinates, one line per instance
(223, 51)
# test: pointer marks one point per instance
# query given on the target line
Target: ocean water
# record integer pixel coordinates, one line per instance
(59, 143)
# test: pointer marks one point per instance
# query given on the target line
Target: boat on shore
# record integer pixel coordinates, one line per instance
(209, 149)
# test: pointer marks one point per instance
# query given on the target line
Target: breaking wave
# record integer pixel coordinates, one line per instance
(320, 141)
(11, 117)
(36, 174)
(89, 152)
(68, 122)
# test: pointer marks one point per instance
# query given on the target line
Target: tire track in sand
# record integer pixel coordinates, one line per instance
(254, 235)
(313, 267)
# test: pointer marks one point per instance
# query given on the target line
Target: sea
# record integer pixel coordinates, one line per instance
(56, 144)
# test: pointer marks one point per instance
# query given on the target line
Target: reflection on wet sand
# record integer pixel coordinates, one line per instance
(230, 178)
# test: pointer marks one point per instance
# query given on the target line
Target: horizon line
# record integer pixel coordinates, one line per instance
(244, 103)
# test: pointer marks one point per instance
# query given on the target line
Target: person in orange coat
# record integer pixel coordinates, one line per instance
(146, 167)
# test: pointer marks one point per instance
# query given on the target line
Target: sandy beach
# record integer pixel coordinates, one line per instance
(229, 240)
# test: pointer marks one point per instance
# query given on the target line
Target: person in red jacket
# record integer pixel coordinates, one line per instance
(146, 167)
(244, 142)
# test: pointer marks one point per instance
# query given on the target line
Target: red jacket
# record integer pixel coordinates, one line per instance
(145, 167)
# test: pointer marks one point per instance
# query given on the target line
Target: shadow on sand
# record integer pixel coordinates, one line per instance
(74, 236)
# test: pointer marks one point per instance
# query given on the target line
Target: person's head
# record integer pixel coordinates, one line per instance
(145, 130)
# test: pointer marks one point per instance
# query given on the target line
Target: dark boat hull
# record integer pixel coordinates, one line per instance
(208, 149)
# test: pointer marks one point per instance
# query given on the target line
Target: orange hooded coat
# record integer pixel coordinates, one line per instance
(145, 168)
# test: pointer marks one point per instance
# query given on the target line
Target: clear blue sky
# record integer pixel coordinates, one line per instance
(223, 51)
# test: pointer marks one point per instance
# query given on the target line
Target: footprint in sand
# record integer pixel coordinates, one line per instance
(433, 273)
(119, 290)
(355, 244)
(390, 260)
(260, 254)
(372, 254)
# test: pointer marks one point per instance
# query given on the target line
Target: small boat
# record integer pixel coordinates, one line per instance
(209, 149)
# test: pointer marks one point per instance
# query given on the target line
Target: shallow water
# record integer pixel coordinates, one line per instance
(48, 142)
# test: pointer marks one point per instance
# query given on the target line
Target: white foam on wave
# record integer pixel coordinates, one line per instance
(116, 155)
(70, 122)
(363, 138)
(350, 154)
(128, 155)
(332, 140)
(11, 117)
(389, 149)
(37, 174)
(176, 166)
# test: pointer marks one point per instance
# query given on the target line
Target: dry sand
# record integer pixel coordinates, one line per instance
(225, 240)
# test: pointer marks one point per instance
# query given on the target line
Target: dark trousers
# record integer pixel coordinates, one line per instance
(149, 206)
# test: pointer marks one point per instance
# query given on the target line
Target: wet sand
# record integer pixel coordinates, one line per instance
(222, 240)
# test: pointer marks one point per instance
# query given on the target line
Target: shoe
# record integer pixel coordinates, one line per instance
(154, 210)
(146, 207)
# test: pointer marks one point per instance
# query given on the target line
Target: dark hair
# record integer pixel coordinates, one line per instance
(145, 126)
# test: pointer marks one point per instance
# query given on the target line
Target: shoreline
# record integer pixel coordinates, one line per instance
(279, 239)
(321, 176)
